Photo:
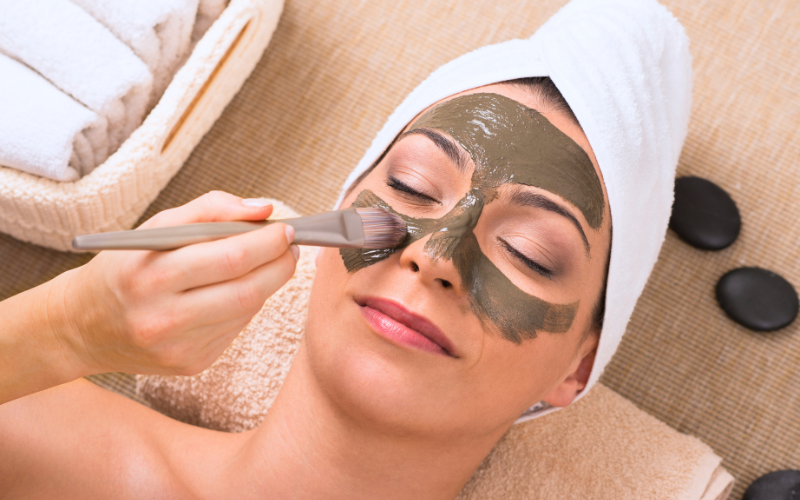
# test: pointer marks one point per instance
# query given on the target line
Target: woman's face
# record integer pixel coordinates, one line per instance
(485, 309)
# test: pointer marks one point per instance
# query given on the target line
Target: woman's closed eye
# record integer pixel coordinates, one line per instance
(400, 186)
(532, 264)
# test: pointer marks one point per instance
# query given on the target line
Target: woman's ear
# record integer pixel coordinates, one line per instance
(565, 393)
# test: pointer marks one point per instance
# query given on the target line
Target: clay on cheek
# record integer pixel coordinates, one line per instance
(509, 144)
(493, 297)
(359, 258)
(516, 314)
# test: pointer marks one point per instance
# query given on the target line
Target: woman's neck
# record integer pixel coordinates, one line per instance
(308, 448)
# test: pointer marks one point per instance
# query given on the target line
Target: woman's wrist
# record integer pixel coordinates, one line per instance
(65, 299)
(39, 347)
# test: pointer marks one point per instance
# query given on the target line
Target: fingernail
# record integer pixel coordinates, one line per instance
(289, 233)
(256, 202)
(296, 252)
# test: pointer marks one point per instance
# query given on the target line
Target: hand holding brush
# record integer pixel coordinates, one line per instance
(348, 228)
(167, 312)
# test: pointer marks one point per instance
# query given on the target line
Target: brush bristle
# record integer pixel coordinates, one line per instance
(382, 229)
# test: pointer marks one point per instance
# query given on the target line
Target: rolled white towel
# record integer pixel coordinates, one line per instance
(207, 12)
(158, 31)
(44, 131)
(81, 57)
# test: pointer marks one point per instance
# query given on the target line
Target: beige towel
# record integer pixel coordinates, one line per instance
(602, 447)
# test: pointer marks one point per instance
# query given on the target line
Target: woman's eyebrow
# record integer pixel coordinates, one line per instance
(527, 199)
(455, 152)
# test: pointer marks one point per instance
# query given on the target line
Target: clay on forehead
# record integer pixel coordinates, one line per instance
(511, 143)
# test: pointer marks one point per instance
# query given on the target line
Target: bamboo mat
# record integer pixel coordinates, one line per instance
(335, 70)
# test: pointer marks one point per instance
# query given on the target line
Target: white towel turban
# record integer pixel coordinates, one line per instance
(624, 68)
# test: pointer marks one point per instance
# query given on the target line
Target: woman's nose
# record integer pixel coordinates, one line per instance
(435, 271)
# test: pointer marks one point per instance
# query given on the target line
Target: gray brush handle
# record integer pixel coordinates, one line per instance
(342, 228)
(163, 238)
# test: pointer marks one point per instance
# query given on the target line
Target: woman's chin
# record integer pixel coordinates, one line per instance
(375, 383)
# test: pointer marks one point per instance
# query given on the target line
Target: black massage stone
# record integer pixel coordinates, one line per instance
(778, 485)
(758, 299)
(704, 215)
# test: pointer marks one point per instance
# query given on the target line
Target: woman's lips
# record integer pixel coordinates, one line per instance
(395, 322)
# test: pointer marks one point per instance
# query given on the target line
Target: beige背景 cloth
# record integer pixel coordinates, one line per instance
(158, 31)
(43, 131)
(624, 68)
(80, 56)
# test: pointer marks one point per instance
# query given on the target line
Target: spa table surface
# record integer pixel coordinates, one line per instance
(335, 70)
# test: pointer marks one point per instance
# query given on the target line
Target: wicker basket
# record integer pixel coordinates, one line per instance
(116, 193)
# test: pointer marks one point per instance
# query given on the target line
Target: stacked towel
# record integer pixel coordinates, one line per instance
(601, 447)
(44, 131)
(158, 31)
(77, 54)
(115, 57)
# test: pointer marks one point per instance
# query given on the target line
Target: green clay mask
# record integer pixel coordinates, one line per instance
(509, 144)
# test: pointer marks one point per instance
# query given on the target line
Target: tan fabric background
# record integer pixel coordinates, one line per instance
(334, 72)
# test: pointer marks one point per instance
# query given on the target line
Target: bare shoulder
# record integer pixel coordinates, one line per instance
(78, 440)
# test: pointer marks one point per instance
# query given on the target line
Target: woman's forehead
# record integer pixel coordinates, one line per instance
(511, 143)
(533, 100)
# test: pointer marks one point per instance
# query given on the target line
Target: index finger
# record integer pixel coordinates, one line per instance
(215, 206)
(226, 259)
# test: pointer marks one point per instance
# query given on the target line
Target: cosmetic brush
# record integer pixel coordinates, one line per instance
(348, 228)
